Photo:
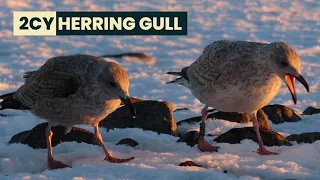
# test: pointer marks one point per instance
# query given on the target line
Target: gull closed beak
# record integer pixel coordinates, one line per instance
(127, 102)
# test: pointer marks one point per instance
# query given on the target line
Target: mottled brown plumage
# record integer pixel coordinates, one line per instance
(70, 90)
(241, 76)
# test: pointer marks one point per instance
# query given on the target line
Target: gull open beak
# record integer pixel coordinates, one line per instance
(127, 102)
(289, 79)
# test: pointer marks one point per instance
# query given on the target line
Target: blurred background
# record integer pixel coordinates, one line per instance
(294, 22)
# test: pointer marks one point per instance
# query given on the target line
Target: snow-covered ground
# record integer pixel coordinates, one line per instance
(158, 156)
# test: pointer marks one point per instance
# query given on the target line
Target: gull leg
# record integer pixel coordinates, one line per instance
(53, 164)
(109, 157)
(203, 145)
(262, 150)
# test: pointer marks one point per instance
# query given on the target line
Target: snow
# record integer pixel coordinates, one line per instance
(158, 156)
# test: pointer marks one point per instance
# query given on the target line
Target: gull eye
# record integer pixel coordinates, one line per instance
(284, 64)
(113, 84)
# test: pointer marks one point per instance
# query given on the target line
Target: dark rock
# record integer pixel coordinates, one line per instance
(276, 113)
(133, 100)
(191, 138)
(181, 109)
(311, 110)
(235, 135)
(133, 57)
(242, 117)
(20, 137)
(233, 117)
(211, 110)
(229, 116)
(151, 115)
(2, 115)
(36, 138)
(189, 163)
(279, 114)
(309, 137)
(128, 141)
(129, 54)
(192, 120)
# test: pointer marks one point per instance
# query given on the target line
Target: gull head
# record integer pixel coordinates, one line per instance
(116, 83)
(285, 62)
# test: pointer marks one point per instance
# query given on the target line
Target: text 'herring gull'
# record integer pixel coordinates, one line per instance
(71, 90)
(240, 76)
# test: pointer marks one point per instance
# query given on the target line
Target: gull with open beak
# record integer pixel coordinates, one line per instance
(289, 80)
(71, 90)
(240, 76)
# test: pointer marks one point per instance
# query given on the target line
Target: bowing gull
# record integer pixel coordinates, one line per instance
(240, 76)
(71, 90)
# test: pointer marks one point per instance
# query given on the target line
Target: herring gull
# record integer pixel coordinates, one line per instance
(240, 76)
(71, 90)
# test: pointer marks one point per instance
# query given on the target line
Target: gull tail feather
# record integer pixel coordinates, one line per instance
(175, 73)
(182, 81)
(4, 96)
(182, 73)
(176, 80)
(10, 103)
